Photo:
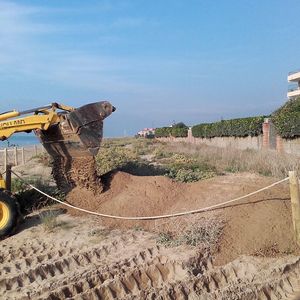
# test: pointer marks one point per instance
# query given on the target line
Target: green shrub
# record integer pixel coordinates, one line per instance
(189, 175)
(186, 169)
(114, 157)
(287, 119)
(29, 199)
(142, 146)
(177, 130)
(243, 127)
(160, 153)
(18, 186)
(179, 125)
(163, 132)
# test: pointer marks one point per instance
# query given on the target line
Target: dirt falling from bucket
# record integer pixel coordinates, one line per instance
(77, 172)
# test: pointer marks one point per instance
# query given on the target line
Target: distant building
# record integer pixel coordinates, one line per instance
(146, 132)
(294, 88)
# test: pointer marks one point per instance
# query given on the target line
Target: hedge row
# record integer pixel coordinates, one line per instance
(287, 119)
(163, 132)
(177, 130)
(236, 128)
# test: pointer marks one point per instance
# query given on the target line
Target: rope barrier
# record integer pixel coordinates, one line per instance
(144, 218)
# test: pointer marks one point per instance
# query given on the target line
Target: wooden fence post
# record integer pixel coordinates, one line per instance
(16, 155)
(23, 156)
(295, 201)
(35, 150)
(8, 177)
(5, 158)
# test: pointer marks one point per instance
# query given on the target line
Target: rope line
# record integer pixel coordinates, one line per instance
(153, 217)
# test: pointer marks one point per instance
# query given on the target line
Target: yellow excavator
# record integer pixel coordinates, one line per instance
(64, 131)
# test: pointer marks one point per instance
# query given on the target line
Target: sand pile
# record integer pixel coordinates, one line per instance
(260, 225)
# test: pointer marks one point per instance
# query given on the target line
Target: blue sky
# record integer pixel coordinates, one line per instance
(156, 61)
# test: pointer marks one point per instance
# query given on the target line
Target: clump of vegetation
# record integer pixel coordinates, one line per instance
(186, 175)
(236, 128)
(18, 186)
(129, 158)
(167, 239)
(163, 132)
(179, 130)
(29, 199)
(114, 157)
(222, 160)
(176, 130)
(160, 152)
(117, 142)
(143, 146)
(186, 169)
(43, 158)
(49, 221)
(286, 119)
(204, 232)
(188, 163)
(207, 233)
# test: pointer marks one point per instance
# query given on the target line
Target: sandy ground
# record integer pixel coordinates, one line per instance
(82, 260)
(34, 169)
(29, 152)
(85, 257)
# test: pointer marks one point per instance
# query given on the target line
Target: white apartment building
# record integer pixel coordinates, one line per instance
(294, 88)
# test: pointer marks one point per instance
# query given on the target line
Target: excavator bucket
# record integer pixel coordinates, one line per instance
(79, 133)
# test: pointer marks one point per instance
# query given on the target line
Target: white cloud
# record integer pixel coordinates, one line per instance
(22, 53)
(25, 52)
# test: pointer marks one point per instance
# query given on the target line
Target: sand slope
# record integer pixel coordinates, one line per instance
(260, 224)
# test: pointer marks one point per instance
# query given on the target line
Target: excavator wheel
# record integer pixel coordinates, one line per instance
(8, 214)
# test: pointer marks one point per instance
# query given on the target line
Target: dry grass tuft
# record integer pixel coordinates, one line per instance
(267, 163)
(49, 220)
(203, 232)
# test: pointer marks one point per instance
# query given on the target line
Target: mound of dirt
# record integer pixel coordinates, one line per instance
(260, 225)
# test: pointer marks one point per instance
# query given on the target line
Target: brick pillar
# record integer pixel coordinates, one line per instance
(190, 138)
(279, 144)
(266, 134)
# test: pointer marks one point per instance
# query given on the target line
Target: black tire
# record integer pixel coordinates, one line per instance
(9, 214)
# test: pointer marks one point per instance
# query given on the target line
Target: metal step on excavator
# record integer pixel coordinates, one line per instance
(66, 133)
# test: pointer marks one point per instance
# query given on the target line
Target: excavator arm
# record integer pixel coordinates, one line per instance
(64, 131)
(42, 119)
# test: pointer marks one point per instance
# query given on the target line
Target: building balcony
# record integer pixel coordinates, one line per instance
(293, 91)
(294, 76)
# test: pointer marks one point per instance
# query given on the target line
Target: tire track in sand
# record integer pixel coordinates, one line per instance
(125, 267)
